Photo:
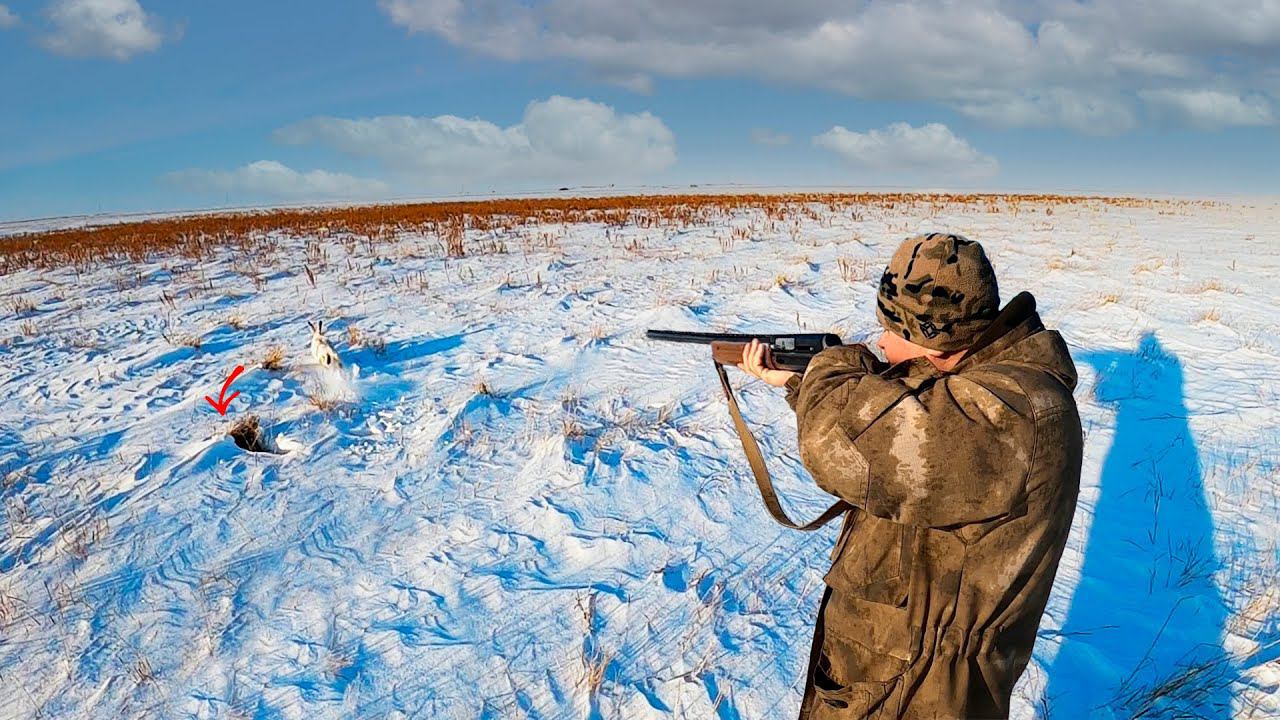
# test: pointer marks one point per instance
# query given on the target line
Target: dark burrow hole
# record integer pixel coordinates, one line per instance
(248, 434)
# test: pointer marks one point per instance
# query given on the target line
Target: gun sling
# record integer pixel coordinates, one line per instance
(763, 481)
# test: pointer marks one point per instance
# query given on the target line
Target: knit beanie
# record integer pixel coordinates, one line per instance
(938, 292)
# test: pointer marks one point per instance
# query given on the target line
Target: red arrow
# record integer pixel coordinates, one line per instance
(222, 405)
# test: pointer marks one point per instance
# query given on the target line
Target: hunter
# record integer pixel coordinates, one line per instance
(959, 460)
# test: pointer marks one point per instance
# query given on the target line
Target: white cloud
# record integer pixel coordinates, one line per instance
(7, 18)
(1050, 62)
(1091, 113)
(1211, 109)
(638, 83)
(903, 150)
(562, 138)
(765, 136)
(117, 29)
(268, 178)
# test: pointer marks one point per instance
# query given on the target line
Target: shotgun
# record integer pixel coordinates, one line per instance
(782, 352)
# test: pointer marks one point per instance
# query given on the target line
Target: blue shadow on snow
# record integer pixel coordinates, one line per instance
(1143, 635)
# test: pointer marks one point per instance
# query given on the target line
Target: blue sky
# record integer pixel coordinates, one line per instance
(137, 105)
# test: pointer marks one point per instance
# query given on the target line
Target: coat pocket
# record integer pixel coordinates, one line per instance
(873, 560)
(847, 663)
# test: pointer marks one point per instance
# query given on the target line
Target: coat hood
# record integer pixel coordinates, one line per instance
(1017, 335)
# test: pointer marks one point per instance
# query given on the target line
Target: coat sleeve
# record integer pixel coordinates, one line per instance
(944, 454)
(793, 390)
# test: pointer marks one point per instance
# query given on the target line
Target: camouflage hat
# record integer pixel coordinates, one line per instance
(939, 292)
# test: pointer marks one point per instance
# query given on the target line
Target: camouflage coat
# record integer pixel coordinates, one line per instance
(963, 485)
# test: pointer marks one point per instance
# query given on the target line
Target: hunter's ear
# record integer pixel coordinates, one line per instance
(943, 354)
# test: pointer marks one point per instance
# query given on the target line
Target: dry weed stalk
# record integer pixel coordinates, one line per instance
(595, 660)
(453, 233)
(181, 339)
(142, 672)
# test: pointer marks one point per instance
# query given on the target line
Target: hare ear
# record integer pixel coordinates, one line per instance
(311, 325)
(320, 326)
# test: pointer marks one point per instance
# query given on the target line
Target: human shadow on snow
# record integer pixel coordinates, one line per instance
(1143, 635)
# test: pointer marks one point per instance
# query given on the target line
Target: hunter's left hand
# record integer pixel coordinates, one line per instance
(753, 364)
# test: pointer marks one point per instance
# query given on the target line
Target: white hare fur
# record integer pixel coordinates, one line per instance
(321, 350)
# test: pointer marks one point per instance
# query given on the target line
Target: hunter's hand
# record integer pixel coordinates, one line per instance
(753, 364)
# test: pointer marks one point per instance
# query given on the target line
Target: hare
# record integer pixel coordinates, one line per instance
(321, 350)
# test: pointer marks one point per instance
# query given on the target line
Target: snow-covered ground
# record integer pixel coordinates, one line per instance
(517, 506)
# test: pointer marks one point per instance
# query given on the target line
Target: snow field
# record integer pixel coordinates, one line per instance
(519, 507)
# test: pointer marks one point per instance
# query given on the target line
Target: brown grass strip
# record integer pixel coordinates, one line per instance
(197, 236)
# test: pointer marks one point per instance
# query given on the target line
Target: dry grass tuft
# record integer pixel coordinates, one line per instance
(8, 608)
(22, 306)
(247, 434)
(323, 402)
(633, 246)
(853, 271)
(1149, 266)
(572, 429)
(1213, 286)
(180, 339)
(78, 539)
(358, 338)
(274, 358)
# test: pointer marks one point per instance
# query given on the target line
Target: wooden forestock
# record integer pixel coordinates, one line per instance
(730, 353)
